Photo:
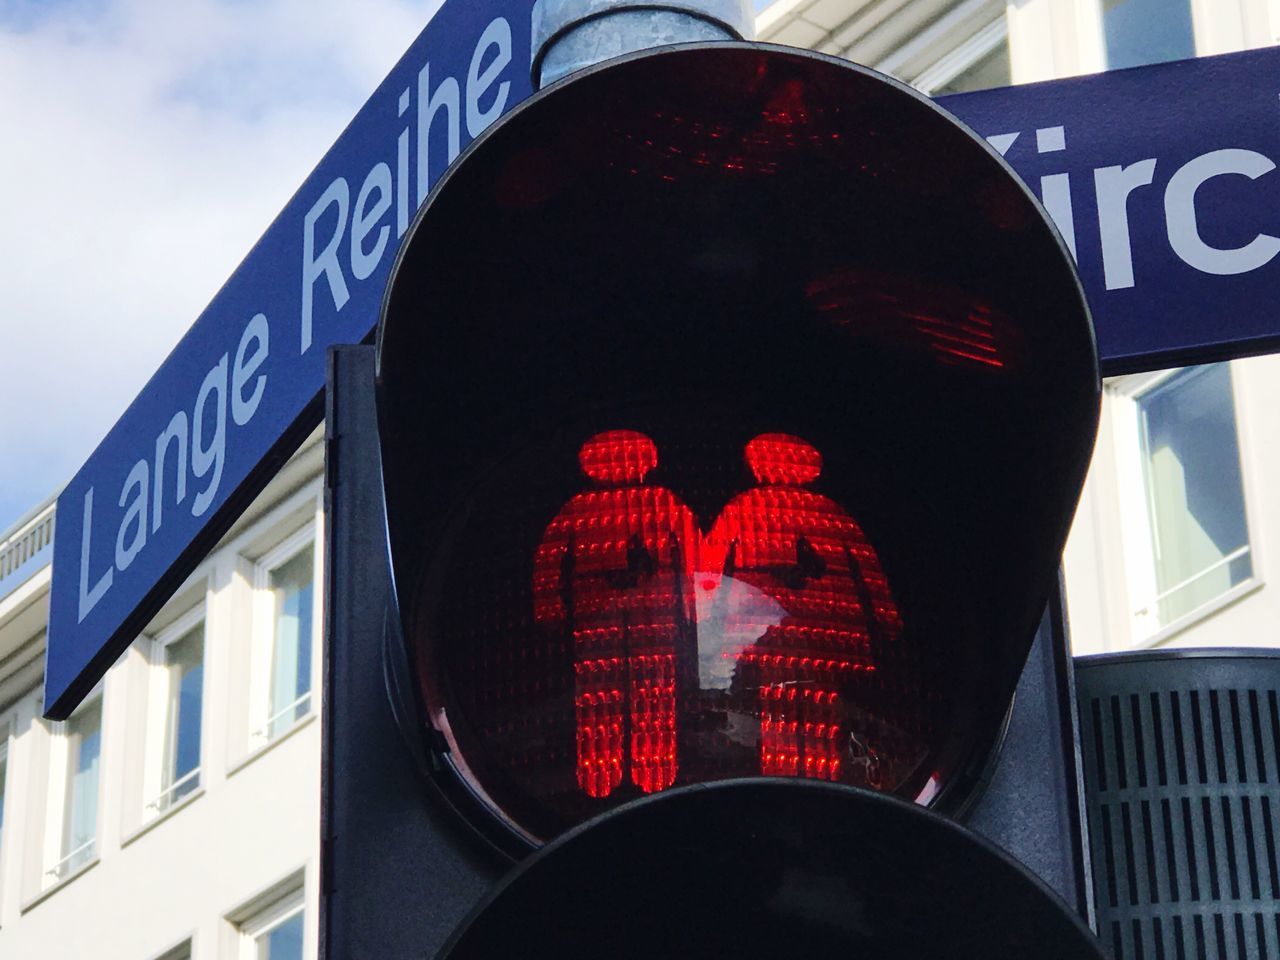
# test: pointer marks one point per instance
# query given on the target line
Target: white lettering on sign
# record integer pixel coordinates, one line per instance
(89, 598)
(176, 435)
(344, 240)
(1055, 189)
(1113, 185)
(1184, 229)
(496, 37)
(443, 105)
(326, 264)
(197, 442)
(363, 220)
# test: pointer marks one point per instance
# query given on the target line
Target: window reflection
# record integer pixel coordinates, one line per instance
(1195, 494)
(1147, 31)
(292, 584)
(80, 806)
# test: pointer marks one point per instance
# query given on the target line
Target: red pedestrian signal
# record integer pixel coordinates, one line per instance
(779, 613)
(612, 578)
(806, 613)
(734, 402)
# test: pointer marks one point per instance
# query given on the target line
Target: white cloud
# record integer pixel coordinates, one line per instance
(144, 147)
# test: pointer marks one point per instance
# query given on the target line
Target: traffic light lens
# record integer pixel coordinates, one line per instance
(768, 625)
(733, 404)
(691, 609)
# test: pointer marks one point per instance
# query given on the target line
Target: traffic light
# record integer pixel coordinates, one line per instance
(733, 403)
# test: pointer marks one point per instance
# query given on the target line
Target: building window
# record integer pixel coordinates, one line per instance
(179, 702)
(292, 593)
(1147, 31)
(1195, 505)
(275, 933)
(287, 593)
(75, 824)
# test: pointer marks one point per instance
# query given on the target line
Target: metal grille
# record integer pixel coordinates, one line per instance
(1182, 778)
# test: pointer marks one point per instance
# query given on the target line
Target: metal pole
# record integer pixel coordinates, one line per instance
(571, 34)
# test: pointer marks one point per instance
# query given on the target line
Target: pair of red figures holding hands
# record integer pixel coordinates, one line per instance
(786, 588)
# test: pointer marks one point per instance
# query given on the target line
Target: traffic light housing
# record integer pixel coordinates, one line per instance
(785, 295)
(767, 868)
(401, 870)
(733, 404)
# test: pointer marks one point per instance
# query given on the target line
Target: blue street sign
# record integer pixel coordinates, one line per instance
(1160, 179)
(1157, 177)
(231, 399)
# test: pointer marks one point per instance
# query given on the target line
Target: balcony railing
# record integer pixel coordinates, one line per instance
(1153, 605)
(26, 548)
(176, 791)
(280, 721)
(72, 862)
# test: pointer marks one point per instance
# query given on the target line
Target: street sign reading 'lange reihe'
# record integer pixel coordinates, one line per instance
(231, 398)
(1160, 179)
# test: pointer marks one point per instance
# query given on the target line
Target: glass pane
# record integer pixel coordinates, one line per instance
(1147, 31)
(184, 662)
(1195, 494)
(292, 584)
(84, 748)
(282, 942)
(992, 70)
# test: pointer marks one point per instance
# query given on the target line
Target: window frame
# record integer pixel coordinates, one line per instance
(55, 865)
(964, 55)
(932, 55)
(267, 918)
(157, 714)
(1135, 515)
(263, 641)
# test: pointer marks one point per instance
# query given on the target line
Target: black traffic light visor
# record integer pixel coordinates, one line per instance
(761, 869)
(701, 246)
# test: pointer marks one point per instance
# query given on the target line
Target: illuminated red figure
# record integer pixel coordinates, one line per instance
(813, 590)
(612, 571)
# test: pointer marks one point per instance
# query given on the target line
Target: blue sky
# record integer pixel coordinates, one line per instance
(144, 146)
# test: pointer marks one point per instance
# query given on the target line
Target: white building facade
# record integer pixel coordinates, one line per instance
(176, 814)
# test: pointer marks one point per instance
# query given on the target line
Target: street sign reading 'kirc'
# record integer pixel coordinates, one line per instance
(1158, 178)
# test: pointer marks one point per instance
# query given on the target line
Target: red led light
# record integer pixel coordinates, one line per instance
(778, 458)
(612, 571)
(788, 588)
(787, 106)
(642, 610)
(950, 323)
(802, 554)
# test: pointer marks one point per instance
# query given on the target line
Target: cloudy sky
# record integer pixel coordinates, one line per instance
(144, 146)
